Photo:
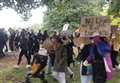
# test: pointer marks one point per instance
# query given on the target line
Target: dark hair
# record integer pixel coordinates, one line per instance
(104, 39)
(59, 40)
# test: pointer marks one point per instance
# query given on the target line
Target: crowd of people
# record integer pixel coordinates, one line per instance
(98, 59)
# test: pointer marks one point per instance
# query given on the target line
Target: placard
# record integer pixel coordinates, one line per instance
(91, 24)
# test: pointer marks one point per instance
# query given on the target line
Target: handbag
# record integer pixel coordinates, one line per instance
(86, 70)
(35, 68)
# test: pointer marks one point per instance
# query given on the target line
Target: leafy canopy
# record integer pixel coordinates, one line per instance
(62, 11)
(22, 7)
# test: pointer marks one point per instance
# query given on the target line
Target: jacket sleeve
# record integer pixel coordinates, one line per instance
(83, 53)
(64, 57)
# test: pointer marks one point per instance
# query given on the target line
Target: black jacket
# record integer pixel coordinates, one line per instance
(83, 54)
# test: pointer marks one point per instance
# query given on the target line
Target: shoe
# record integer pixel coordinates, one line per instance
(114, 69)
(16, 66)
(45, 81)
(42, 75)
(28, 66)
(118, 67)
(71, 76)
(49, 73)
(27, 80)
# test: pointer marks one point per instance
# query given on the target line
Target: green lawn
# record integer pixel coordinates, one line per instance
(17, 75)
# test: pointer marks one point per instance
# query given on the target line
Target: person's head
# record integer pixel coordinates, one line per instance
(66, 37)
(0, 30)
(10, 30)
(23, 32)
(3, 29)
(96, 37)
(45, 32)
(55, 33)
(77, 34)
(39, 31)
(32, 31)
(91, 40)
(58, 42)
(71, 37)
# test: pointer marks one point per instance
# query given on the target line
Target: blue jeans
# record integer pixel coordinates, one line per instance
(86, 78)
(49, 65)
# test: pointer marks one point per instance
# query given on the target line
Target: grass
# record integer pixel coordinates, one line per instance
(11, 75)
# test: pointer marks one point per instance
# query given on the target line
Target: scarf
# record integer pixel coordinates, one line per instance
(103, 48)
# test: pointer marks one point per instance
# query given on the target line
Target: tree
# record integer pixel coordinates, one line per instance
(114, 8)
(114, 11)
(61, 11)
(22, 7)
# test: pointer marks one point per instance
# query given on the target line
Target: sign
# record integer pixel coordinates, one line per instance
(81, 40)
(92, 24)
(65, 27)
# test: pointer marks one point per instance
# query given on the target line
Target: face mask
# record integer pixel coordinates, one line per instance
(97, 39)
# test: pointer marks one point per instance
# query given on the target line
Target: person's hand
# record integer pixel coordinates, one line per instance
(85, 63)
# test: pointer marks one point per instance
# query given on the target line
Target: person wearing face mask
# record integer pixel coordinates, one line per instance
(99, 57)
(85, 69)
(68, 44)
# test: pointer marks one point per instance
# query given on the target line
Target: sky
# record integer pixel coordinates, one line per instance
(9, 18)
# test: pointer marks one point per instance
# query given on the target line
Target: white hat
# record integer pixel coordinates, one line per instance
(96, 34)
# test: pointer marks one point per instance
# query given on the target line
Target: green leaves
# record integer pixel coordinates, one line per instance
(115, 8)
(61, 11)
(22, 7)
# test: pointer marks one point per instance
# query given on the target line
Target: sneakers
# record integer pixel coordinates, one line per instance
(28, 66)
(16, 66)
(114, 69)
(45, 81)
(71, 76)
(118, 67)
(27, 80)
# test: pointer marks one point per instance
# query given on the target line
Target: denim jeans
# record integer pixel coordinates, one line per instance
(49, 65)
(86, 78)
(60, 76)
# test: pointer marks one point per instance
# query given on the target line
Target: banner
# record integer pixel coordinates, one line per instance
(91, 24)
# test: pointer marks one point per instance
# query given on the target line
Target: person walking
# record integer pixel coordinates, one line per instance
(100, 59)
(3, 41)
(24, 49)
(12, 39)
(68, 44)
(85, 69)
(60, 64)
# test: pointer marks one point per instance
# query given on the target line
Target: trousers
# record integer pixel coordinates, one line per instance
(60, 76)
(86, 79)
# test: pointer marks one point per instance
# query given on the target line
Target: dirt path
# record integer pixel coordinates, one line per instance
(9, 60)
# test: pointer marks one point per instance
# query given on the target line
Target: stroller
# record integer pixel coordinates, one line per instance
(38, 64)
